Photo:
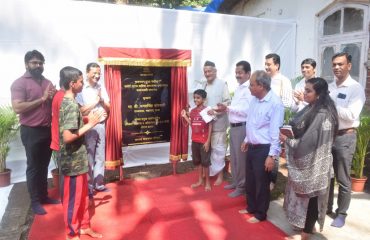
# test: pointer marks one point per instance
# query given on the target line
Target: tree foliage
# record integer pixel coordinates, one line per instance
(169, 3)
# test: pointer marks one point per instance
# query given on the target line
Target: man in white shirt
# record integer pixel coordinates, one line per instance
(237, 111)
(217, 92)
(282, 87)
(280, 84)
(264, 119)
(94, 97)
(349, 98)
(308, 69)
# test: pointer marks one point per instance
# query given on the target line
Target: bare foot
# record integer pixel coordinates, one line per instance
(294, 237)
(253, 220)
(207, 187)
(305, 236)
(243, 211)
(220, 179)
(218, 182)
(195, 185)
(91, 202)
(91, 233)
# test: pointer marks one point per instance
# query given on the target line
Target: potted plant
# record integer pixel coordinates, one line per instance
(358, 163)
(8, 129)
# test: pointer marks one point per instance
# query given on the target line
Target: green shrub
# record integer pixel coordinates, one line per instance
(363, 138)
(8, 129)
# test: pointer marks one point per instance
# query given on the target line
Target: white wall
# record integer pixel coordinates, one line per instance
(303, 12)
(70, 32)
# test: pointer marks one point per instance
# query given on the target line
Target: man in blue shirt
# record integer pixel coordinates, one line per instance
(265, 117)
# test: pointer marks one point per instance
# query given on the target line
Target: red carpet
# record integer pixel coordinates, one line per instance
(162, 208)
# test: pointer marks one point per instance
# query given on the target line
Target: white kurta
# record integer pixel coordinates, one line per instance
(282, 87)
(218, 92)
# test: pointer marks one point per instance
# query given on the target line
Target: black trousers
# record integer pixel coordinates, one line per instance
(36, 141)
(312, 215)
(257, 181)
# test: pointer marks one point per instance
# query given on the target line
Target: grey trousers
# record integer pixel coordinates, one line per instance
(343, 149)
(95, 145)
(238, 158)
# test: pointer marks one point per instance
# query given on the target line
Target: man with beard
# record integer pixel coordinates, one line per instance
(31, 96)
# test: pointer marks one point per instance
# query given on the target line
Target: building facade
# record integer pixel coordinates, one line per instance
(323, 28)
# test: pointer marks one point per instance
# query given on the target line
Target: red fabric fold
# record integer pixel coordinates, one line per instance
(179, 101)
(113, 128)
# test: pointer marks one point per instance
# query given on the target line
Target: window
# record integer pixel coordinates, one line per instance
(353, 20)
(327, 72)
(355, 50)
(332, 23)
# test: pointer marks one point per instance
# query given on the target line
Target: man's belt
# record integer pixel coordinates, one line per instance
(346, 131)
(237, 124)
(256, 146)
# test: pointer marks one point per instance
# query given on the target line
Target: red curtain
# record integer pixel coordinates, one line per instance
(179, 101)
(113, 147)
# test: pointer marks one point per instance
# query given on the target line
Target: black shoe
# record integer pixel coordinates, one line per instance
(48, 200)
(38, 209)
(331, 214)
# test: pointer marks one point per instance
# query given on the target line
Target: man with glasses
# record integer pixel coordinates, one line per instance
(94, 97)
(31, 96)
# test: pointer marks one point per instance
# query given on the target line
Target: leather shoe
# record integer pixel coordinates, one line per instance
(331, 214)
(235, 193)
(38, 209)
(229, 186)
(48, 200)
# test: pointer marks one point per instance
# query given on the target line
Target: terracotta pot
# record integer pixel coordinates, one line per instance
(55, 174)
(5, 178)
(358, 184)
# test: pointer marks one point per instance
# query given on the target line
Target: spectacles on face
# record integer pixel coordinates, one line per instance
(34, 63)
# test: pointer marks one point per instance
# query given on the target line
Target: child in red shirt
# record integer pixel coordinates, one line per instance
(201, 138)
